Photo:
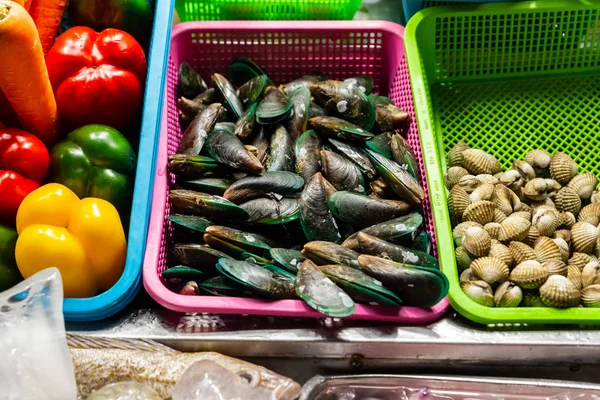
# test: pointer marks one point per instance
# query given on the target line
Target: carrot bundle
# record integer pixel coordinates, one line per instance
(47, 15)
(23, 74)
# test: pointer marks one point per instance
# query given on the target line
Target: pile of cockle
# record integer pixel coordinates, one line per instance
(263, 169)
(527, 236)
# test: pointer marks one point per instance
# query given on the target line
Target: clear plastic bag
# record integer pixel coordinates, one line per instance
(124, 391)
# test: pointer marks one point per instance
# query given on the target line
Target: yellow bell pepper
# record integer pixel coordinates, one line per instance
(84, 239)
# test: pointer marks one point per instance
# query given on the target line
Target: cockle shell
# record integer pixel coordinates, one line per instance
(458, 201)
(499, 216)
(467, 276)
(590, 296)
(547, 202)
(487, 178)
(524, 168)
(590, 214)
(505, 199)
(479, 162)
(589, 275)
(567, 220)
(546, 249)
(483, 192)
(522, 214)
(468, 183)
(538, 159)
(531, 298)
(463, 258)
(563, 168)
(564, 234)
(584, 184)
(477, 241)
(532, 236)
(539, 189)
(556, 267)
(574, 275)
(490, 270)
(579, 260)
(546, 220)
(529, 274)
(521, 252)
(459, 231)
(595, 198)
(563, 246)
(493, 229)
(508, 295)
(455, 157)
(584, 237)
(481, 212)
(514, 228)
(567, 199)
(480, 292)
(453, 176)
(559, 292)
(513, 180)
(501, 252)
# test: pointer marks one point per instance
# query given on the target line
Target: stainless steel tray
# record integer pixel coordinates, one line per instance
(457, 387)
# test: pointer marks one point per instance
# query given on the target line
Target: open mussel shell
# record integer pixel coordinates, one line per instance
(201, 204)
(187, 166)
(381, 144)
(342, 100)
(282, 151)
(251, 91)
(245, 125)
(322, 253)
(274, 107)
(234, 250)
(361, 287)
(222, 286)
(272, 211)
(362, 211)
(376, 247)
(194, 137)
(388, 117)
(321, 293)
(190, 82)
(307, 154)
(342, 173)
(402, 182)
(362, 82)
(316, 219)
(246, 240)
(357, 156)
(403, 156)
(248, 188)
(256, 278)
(305, 81)
(400, 228)
(227, 149)
(415, 286)
(197, 256)
(296, 125)
(242, 69)
(227, 93)
(287, 258)
(181, 273)
(207, 185)
(339, 129)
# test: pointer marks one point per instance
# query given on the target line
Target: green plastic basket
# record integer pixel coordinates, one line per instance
(506, 78)
(223, 10)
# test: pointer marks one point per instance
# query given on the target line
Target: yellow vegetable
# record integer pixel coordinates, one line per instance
(84, 239)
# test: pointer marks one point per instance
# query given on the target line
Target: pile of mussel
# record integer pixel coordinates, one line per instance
(301, 190)
(528, 236)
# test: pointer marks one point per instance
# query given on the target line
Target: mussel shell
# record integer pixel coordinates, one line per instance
(260, 141)
(415, 286)
(274, 107)
(187, 166)
(251, 91)
(357, 156)
(242, 69)
(227, 93)
(402, 182)
(256, 278)
(197, 256)
(207, 185)
(222, 286)
(344, 101)
(388, 117)
(195, 135)
(282, 151)
(316, 110)
(423, 243)
(316, 219)
(192, 222)
(189, 109)
(271, 211)
(227, 149)
(190, 82)
(245, 125)
(319, 292)
(362, 82)
(234, 250)
(246, 240)
(339, 128)
(287, 258)
(305, 81)
(225, 126)
(380, 248)
(381, 144)
(322, 253)
(398, 228)
(307, 152)
(181, 273)
(280, 272)
(298, 120)
(362, 211)
(341, 172)
(251, 187)
(403, 156)
(202, 204)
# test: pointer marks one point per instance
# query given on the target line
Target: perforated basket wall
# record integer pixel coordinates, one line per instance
(411, 7)
(285, 51)
(506, 79)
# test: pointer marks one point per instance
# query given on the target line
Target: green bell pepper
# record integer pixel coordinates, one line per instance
(9, 273)
(96, 161)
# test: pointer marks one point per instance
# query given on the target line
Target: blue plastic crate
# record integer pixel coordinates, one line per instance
(121, 294)
(411, 7)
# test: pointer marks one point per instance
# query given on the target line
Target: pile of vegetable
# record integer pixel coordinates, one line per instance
(69, 107)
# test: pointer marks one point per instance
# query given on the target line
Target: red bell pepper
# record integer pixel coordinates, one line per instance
(97, 77)
(23, 165)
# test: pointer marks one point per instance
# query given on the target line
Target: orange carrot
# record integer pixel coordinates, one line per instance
(47, 15)
(23, 74)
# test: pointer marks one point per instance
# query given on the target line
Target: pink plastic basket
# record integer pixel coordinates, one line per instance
(285, 50)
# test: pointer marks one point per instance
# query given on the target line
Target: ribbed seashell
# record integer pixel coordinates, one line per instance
(483, 192)
(590, 296)
(468, 183)
(513, 180)
(521, 252)
(579, 260)
(467, 276)
(584, 237)
(453, 176)
(559, 292)
(539, 189)
(567, 200)
(481, 212)
(563, 168)
(547, 202)
(459, 231)
(593, 257)
(525, 207)
(501, 252)
(463, 258)
(514, 228)
(477, 241)
(499, 216)
(574, 275)
(479, 162)
(532, 236)
(525, 169)
(589, 275)
(595, 198)
(590, 213)
(505, 199)
(546, 249)
(531, 298)
(455, 157)
(556, 267)
(487, 178)
(546, 220)
(538, 159)
(458, 201)
(522, 214)
(493, 229)
(490, 270)
(529, 274)
(480, 292)
(563, 246)
(508, 295)
(584, 184)
(564, 234)
(567, 220)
